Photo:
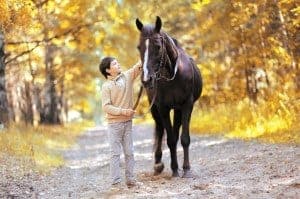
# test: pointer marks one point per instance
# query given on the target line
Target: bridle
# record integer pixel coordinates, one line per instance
(158, 74)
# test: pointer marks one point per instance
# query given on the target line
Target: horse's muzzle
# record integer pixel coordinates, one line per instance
(149, 83)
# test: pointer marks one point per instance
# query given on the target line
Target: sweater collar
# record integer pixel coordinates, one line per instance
(114, 78)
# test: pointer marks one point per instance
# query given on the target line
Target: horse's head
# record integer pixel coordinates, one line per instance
(151, 50)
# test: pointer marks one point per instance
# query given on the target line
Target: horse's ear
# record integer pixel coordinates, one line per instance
(158, 24)
(139, 24)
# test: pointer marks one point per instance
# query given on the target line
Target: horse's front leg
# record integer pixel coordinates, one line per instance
(158, 135)
(171, 139)
(185, 137)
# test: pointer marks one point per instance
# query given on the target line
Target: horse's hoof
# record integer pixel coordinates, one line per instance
(158, 168)
(175, 174)
(187, 174)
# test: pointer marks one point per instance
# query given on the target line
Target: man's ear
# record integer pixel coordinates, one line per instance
(108, 71)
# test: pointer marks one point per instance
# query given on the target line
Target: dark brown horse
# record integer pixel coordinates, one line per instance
(172, 81)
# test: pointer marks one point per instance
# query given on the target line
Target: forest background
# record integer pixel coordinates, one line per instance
(50, 50)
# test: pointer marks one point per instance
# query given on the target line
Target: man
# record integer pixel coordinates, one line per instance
(117, 103)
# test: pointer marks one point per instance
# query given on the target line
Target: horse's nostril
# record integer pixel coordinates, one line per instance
(144, 82)
(147, 84)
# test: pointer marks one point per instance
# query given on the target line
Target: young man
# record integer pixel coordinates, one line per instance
(117, 103)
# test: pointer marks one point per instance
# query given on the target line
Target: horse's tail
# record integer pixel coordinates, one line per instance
(197, 80)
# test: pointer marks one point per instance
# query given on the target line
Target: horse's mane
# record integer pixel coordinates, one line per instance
(175, 41)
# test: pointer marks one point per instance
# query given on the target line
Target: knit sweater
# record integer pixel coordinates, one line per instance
(117, 95)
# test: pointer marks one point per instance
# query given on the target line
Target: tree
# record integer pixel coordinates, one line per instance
(3, 97)
(11, 14)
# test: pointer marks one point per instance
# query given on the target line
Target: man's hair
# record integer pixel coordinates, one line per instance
(105, 64)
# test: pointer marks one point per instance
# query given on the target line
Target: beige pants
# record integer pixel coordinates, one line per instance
(120, 136)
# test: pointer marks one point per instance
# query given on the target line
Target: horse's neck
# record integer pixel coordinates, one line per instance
(172, 52)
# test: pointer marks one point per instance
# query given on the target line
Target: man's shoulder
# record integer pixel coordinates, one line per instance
(106, 84)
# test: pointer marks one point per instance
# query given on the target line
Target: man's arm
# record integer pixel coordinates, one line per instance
(135, 70)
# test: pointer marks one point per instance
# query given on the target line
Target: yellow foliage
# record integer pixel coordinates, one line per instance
(275, 120)
(83, 105)
(4, 12)
(64, 24)
(99, 37)
(15, 13)
(39, 143)
(112, 10)
(199, 4)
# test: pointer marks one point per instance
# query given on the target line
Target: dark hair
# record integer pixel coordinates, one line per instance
(105, 64)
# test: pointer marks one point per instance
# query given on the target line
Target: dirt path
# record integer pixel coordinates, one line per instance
(223, 169)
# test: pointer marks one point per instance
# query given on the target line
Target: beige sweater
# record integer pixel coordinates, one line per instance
(117, 95)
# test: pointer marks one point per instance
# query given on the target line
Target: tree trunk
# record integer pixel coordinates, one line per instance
(50, 108)
(251, 84)
(36, 105)
(62, 101)
(3, 94)
(21, 103)
(35, 95)
(28, 114)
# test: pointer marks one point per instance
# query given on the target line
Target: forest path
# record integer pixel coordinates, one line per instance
(221, 167)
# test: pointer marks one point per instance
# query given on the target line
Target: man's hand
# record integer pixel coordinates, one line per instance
(139, 64)
(128, 112)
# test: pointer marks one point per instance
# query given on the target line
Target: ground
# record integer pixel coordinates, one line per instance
(222, 168)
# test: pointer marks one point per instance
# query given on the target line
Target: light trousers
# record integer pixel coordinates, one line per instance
(120, 137)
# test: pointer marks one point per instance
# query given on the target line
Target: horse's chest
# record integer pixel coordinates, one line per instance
(172, 97)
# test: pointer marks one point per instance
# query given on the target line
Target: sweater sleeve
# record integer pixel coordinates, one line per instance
(135, 70)
(107, 104)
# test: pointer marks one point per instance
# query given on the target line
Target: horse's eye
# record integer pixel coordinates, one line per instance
(139, 47)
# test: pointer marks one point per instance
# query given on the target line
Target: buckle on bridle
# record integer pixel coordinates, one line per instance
(157, 75)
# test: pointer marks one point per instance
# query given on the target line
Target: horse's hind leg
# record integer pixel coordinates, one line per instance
(185, 138)
(159, 132)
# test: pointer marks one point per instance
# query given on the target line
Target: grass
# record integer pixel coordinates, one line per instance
(40, 143)
(275, 121)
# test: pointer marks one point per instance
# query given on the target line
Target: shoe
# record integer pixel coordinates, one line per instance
(133, 183)
(116, 187)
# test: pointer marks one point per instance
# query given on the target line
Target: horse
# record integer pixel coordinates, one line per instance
(172, 82)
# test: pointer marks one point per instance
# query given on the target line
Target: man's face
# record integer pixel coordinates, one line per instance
(115, 68)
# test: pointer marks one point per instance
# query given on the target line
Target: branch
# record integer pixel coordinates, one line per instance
(38, 42)
(39, 4)
(71, 30)
(21, 54)
(23, 42)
